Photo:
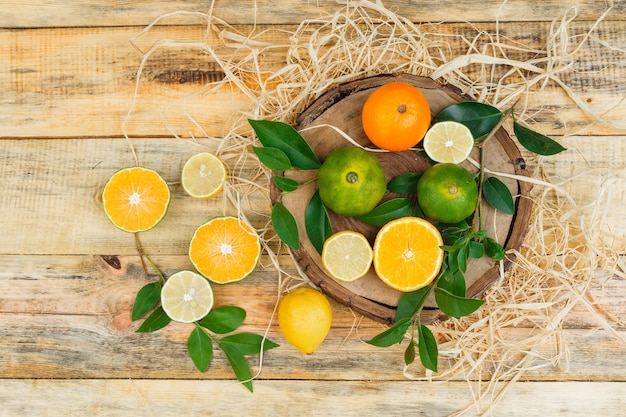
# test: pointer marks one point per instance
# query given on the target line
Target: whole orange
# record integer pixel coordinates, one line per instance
(396, 116)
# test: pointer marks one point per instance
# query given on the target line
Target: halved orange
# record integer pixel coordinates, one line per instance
(225, 249)
(136, 199)
(407, 253)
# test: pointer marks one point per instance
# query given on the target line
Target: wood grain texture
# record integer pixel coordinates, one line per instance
(225, 398)
(67, 218)
(79, 82)
(47, 13)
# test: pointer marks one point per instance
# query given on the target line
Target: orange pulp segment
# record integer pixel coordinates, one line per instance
(225, 249)
(407, 253)
(135, 199)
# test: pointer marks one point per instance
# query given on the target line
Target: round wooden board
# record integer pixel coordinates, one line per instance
(341, 108)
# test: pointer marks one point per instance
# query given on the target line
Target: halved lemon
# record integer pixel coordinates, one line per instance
(186, 297)
(448, 142)
(347, 255)
(203, 175)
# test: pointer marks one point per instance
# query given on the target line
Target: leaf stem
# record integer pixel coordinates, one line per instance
(143, 256)
(481, 174)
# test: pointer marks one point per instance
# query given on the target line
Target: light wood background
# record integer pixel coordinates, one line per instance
(67, 344)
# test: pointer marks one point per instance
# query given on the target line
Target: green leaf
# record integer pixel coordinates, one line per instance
(411, 303)
(273, 158)
(387, 211)
(453, 281)
(238, 363)
(404, 183)
(429, 352)
(456, 306)
(224, 319)
(317, 222)
(498, 195)
(462, 255)
(392, 335)
(280, 135)
(409, 353)
(147, 298)
(476, 249)
(285, 225)
(247, 343)
(493, 249)
(200, 347)
(285, 184)
(158, 319)
(536, 142)
(478, 117)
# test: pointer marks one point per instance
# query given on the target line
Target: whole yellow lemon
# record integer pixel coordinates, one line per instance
(304, 318)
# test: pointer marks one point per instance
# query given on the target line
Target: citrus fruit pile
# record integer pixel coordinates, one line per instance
(406, 253)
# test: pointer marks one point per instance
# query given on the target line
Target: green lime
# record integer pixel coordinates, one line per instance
(447, 193)
(351, 181)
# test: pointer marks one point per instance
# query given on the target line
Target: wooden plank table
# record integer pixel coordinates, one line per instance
(67, 343)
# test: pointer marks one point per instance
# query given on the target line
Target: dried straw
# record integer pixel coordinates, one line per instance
(570, 250)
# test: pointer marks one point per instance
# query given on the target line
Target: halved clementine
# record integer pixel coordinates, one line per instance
(225, 249)
(136, 199)
(407, 253)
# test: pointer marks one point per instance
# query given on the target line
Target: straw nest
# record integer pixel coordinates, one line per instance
(570, 248)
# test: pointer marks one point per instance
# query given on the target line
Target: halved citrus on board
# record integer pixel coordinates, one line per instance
(186, 297)
(448, 142)
(203, 175)
(407, 253)
(347, 255)
(225, 249)
(135, 199)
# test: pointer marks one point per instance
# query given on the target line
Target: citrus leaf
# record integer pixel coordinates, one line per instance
(200, 348)
(411, 303)
(285, 184)
(158, 319)
(404, 183)
(456, 306)
(480, 118)
(147, 297)
(536, 142)
(392, 335)
(476, 250)
(453, 281)
(428, 349)
(387, 211)
(238, 363)
(498, 195)
(493, 249)
(317, 222)
(247, 343)
(273, 158)
(409, 353)
(224, 319)
(285, 225)
(280, 135)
